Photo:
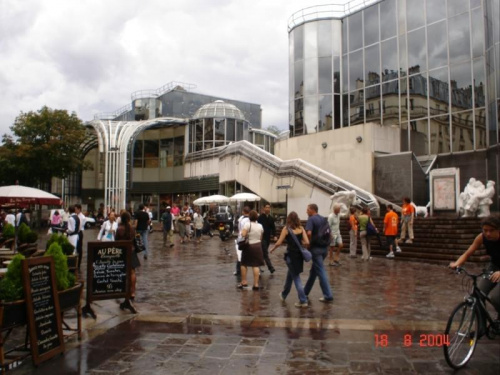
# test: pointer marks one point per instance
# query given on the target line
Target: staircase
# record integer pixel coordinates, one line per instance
(437, 240)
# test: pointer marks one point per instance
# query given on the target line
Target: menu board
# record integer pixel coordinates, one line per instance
(108, 270)
(42, 304)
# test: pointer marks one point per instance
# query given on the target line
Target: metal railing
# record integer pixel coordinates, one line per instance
(162, 90)
(113, 115)
(327, 11)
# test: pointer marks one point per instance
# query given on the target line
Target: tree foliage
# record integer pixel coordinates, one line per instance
(44, 144)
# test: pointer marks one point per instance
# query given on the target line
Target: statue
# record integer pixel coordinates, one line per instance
(345, 199)
(486, 200)
(421, 210)
(476, 198)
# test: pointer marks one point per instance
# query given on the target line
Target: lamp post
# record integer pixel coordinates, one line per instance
(285, 187)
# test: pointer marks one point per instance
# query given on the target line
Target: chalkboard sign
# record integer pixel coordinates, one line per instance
(108, 270)
(42, 304)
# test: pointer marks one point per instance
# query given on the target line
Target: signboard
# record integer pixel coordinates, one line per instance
(108, 270)
(42, 304)
(445, 188)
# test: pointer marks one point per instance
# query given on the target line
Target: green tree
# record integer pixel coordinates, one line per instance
(44, 144)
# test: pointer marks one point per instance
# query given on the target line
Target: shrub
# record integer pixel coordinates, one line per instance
(22, 233)
(8, 231)
(63, 281)
(61, 240)
(32, 237)
(11, 286)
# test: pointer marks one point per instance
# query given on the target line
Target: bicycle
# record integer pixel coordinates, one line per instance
(468, 322)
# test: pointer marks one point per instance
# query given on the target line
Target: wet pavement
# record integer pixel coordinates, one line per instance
(193, 320)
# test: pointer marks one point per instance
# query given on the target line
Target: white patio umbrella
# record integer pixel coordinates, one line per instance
(244, 197)
(211, 199)
(17, 194)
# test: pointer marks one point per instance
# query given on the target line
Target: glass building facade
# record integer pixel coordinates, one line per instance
(429, 67)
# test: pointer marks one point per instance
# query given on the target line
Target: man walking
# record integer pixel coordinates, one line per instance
(79, 246)
(408, 214)
(168, 227)
(391, 221)
(241, 223)
(73, 227)
(267, 222)
(334, 222)
(142, 227)
(319, 251)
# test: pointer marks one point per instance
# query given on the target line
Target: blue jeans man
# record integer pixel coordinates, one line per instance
(144, 236)
(318, 270)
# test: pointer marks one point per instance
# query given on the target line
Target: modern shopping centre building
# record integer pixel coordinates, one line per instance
(380, 94)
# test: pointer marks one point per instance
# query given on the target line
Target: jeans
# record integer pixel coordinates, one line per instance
(265, 252)
(298, 285)
(318, 270)
(144, 236)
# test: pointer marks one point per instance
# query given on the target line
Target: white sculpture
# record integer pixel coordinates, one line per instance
(421, 210)
(476, 199)
(345, 199)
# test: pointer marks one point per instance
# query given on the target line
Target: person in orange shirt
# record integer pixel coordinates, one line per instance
(407, 216)
(391, 221)
(353, 233)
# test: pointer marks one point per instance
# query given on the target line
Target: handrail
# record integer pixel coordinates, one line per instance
(286, 168)
(114, 114)
(161, 90)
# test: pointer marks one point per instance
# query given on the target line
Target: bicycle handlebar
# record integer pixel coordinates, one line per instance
(485, 273)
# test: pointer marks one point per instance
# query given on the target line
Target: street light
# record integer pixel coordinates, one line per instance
(285, 187)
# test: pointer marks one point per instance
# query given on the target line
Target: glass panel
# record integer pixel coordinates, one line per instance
(209, 133)
(419, 137)
(139, 163)
(403, 61)
(219, 129)
(298, 42)
(475, 3)
(479, 83)
(416, 51)
(404, 137)
(336, 75)
(356, 70)
(480, 127)
(372, 99)
(325, 38)
(325, 112)
(299, 117)
(389, 52)
(345, 78)
(438, 91)
(311, 72)
(138, 148)
(344, 35)
(152, 163)
(230, 129)
(490, 74)
(336, 111)
(355, 31)
(167, 152)
(311, 114)
(402, 17)
(199, 135)
(418, 96)
(390, 103)
(311, 40)
(477, 20)
(357, 110)
(459, 38)
(370, 22)
(414, 14)
(436, 10)
(440, 135)
(462, 131)
(388, 22)
(345, 110)
(437, 49)
(457, 6)
(239, 131)
(299, 78)
(497, 74)
(403, 93)
(325, 75)
(372, 65)
(151, 148)
(461, 83)
(178, 151)
(337, 32)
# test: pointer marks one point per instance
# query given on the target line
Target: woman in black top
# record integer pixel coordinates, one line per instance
(490, 238)
(293, 257)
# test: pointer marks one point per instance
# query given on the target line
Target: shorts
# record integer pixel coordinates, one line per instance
(336, 240)
(390, 240)
(198, 233)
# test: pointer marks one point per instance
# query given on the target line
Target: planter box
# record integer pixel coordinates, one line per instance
(14, 314)
(70, 299)
(72, 262)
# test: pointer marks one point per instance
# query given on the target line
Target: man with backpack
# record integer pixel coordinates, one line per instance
(319, 233)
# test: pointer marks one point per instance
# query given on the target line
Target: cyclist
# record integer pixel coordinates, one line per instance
(490, 238)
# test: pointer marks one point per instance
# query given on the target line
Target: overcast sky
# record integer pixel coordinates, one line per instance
(88, 56)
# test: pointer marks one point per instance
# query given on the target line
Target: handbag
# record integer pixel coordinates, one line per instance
(138, 244)
(306, 254)
(370, 229)
(245, 243)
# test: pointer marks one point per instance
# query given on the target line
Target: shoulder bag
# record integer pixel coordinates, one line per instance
(245, 243)
(138, 244)
(370, 229)
(306, 254)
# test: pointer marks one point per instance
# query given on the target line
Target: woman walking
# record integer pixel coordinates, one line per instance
(126, 232)
(293, 257)
(252, 256)
(108, 228)
(363, 221)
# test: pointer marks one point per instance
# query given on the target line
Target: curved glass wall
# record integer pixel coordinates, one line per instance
(216, 124)
(263, 139)
(430, 67)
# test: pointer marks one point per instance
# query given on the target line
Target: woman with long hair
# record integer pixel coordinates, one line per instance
(108, 228)
(293, 257)
(126, 232)
(252, 256)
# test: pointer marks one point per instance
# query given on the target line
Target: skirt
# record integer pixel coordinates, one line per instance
(253, 256)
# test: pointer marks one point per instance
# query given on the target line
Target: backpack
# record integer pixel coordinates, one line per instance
(324, 235)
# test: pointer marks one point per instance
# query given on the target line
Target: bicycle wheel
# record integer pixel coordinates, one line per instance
(462, 332)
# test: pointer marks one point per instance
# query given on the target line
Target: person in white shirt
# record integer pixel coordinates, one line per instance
(73, 227)
(83, 219)
(334, 222)
(10, 219)
(108, 229)
(241, 223)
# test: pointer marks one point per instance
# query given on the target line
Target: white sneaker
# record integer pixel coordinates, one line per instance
(409, 241)
(398, 249)
(390, 255)
(281, 297)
